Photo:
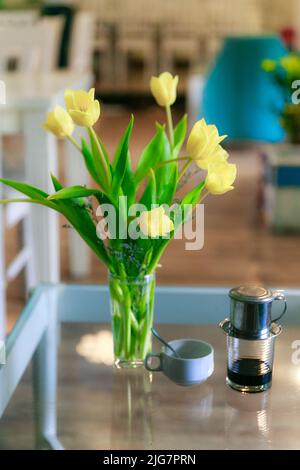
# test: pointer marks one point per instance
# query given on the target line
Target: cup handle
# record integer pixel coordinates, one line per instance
(150, 356)
(280, 296)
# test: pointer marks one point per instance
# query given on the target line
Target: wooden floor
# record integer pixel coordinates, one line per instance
(238, 248)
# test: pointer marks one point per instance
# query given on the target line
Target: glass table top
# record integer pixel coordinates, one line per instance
(97, 406)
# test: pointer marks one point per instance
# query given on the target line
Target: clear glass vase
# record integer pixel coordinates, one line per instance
(131, 301)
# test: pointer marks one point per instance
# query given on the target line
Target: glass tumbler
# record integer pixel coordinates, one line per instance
(250, 361)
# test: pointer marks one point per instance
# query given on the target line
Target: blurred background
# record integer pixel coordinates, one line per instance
(217, 48)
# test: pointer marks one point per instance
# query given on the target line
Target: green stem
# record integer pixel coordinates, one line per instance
(117, 329)
(73, 141)
(172, 160)
(146, 332)
(158, 255)
(134, 322)
(127, 326)
(183, 170)
(102, 156)
(170, 125)
(132, 315)
(204, 196)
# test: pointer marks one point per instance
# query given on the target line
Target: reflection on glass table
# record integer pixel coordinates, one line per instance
(79, 401)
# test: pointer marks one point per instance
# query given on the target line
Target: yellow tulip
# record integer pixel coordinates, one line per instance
(269, 65)
(164, 88)
(82, 107)
(155, 223)
(291, 64)
(203, 144)
(220, 177)
(219, 155)
(59, 122)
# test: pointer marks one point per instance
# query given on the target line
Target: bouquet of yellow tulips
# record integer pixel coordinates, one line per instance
(285, 73)
(132, 260)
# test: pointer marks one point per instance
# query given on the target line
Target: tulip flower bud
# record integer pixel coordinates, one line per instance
(155, 223)
(82, 107)
(203, 144)
(59, 122)
(164, 88)
(220, 177)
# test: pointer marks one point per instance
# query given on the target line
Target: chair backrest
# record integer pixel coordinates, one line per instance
(30, 48)
(18, 18)
(184, 18)
(230, 17)
(82, 42)
(106, 11)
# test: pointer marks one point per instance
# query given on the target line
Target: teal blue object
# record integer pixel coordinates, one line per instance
(239, 97)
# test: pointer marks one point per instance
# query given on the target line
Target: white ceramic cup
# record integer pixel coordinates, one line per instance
(193, 366)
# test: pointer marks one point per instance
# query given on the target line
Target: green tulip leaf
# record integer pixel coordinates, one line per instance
(121, 144)
(191, 199)
(128, 185)
(167, 192)
(80, 218)
(179, 135)
(151, 155)
(99, 162)
(149, 196)
(73, 192)
(27, 189)
(76, 213)
(58, 186)
(121, 161)
(41, 202)
(89, 161)
(166, 175)
(56, 183)
(194, 195)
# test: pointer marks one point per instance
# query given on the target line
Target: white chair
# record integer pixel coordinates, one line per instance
(33, 48)
(181, 30)
(82, 41)
(18, 18)
(104, 48)
(135, 36)
(104, 13)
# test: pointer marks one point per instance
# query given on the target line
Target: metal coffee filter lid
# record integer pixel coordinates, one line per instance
(255, 294)
(251, 310)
